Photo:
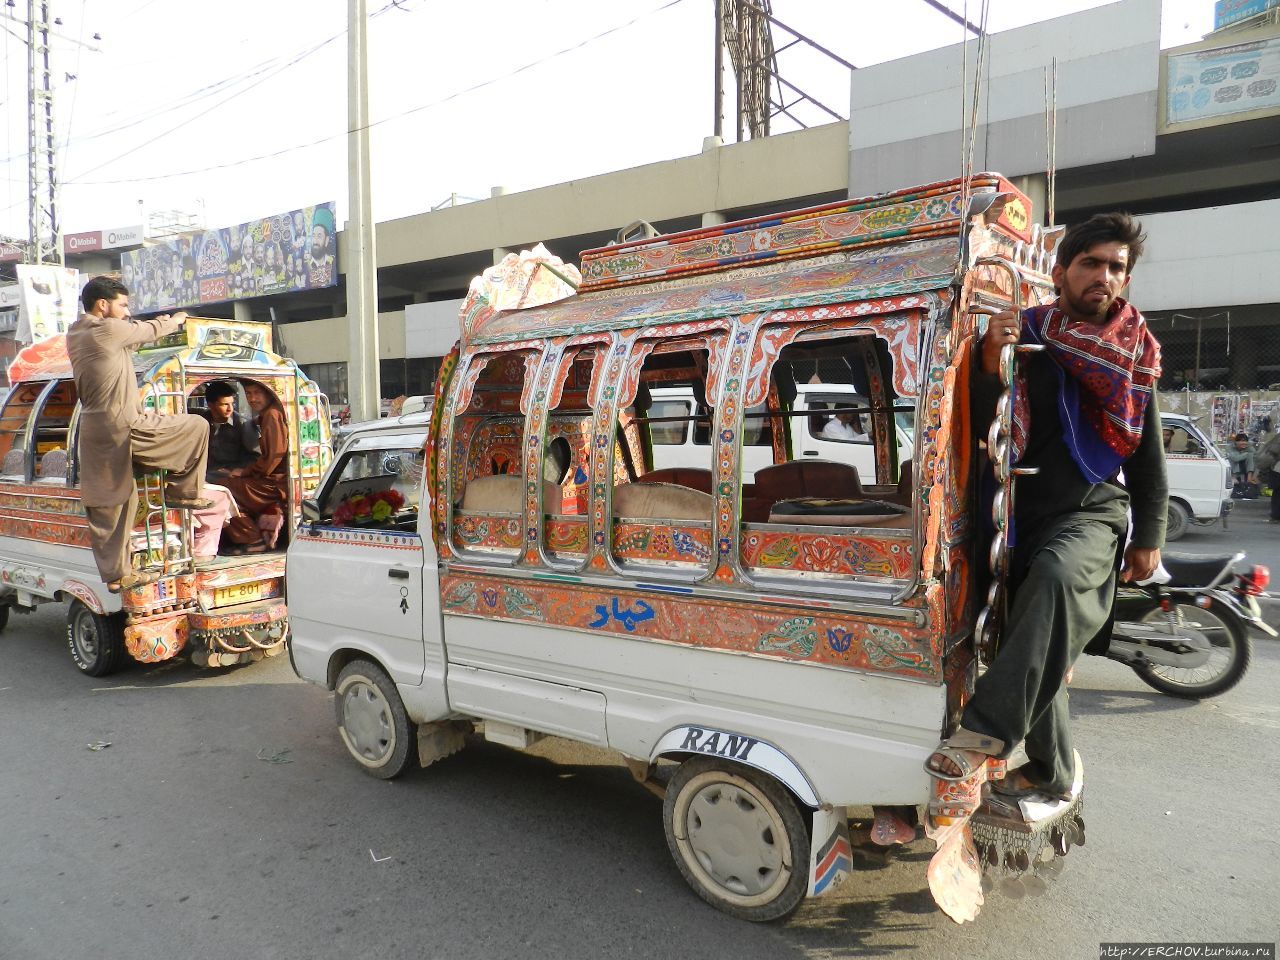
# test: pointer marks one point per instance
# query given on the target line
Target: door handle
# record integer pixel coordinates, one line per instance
(811, 453)
(398, 573)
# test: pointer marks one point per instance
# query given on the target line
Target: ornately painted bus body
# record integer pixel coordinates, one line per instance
(811, 627)
(221, 611)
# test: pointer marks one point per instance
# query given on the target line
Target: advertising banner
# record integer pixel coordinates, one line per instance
(1223, 81)
(48, 301)
(277, 254)
(1227, 12)
(82, 242)
(11, 250)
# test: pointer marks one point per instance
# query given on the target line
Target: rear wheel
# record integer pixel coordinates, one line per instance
(96, 640)
(372, 720)
(1179, 519)
(4, 616)
(738, 837)
(1228, 659)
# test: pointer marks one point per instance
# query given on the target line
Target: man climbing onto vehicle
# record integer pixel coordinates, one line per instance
(1085, 409)
(117, 436)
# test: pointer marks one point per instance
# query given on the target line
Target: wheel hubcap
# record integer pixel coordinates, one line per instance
(367, 723)
(736, 840)
(85, 636)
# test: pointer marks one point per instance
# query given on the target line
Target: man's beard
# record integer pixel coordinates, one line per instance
(1084, 310)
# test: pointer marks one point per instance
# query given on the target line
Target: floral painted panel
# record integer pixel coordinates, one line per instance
(849, 555)
(869, 276)
(929, 210)
(781, 632)
(661, 542)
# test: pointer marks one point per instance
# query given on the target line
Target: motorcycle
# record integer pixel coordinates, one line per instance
(1185, 632)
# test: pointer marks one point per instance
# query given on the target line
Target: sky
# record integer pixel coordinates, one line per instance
(238, 109)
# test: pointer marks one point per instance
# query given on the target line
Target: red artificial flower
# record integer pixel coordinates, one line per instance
(361, 508)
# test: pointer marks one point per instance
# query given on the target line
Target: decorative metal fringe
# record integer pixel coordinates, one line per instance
(1017, 858)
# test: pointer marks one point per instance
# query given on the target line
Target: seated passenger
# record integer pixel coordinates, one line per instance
(261, 488)
(844, 426)
(233, 441)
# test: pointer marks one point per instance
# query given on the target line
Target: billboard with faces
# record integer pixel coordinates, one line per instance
(277, 254)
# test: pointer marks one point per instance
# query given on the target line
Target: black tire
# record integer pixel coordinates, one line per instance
(777, 871)
(4, 616)
(1227, 665)
(96, 640)
(1179, 520)
(372, 721)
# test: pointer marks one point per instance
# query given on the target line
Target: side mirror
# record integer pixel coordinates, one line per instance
(310, 509)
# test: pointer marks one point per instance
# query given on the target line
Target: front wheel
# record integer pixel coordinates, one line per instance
(1228, 659)
(738, 837)
(372, 720)
(1179, 519)
(96, 640)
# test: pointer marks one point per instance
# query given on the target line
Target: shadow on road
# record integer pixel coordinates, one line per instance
(1099, 702)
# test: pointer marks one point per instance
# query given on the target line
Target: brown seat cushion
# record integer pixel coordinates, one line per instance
(691, 477)
(660, 501)
(504, 493)
(808, 478)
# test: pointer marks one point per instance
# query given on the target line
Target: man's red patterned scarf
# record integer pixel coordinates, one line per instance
(1107, 370)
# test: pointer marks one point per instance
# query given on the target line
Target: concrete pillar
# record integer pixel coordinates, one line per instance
(1243, 360)
(240, 311)
(360, 257)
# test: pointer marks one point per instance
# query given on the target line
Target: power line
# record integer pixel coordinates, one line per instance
(396, 116)
(188, 119)
(209, 90)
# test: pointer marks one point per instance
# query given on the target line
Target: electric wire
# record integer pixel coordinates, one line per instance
(375, 123)
(210, 89)
(190, 118)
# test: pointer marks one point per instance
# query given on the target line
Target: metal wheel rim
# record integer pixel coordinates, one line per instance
(368, 726)
(84, 634)
(734, 839)
(1218, 634)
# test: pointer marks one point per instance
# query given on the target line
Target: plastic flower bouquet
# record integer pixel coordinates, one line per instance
(362, 509)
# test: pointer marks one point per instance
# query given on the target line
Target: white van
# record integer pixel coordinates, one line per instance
(1199, 476)
(681, 435)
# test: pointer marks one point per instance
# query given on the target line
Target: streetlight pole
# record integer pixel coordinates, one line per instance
(360, 259)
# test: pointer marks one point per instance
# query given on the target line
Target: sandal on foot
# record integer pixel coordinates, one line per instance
(131, 580)
(956, 756)
(1006, 789)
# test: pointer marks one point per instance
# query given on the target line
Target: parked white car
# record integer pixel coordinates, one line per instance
(1199, 476)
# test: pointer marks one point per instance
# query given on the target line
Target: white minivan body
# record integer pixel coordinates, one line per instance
(687, 443)
(1199, 476)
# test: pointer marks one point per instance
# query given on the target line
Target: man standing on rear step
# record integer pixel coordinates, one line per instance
(1085, 409)
(117, 436)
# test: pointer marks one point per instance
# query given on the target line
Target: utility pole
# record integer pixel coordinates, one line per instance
(42, 170)
(363, 382)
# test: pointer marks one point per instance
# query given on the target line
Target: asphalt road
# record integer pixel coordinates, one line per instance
(225, 821)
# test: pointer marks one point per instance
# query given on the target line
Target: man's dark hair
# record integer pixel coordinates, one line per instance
(1102, 228)
(217, 390)
(102, 288)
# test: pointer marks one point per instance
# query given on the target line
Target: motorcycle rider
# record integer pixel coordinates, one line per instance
(1085, 408)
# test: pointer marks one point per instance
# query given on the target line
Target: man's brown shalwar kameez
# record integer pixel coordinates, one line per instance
(263, 487)
(117, 435)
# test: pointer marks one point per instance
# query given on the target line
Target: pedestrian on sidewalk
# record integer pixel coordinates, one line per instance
(1266, 462)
